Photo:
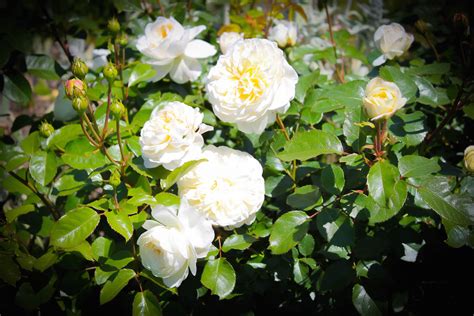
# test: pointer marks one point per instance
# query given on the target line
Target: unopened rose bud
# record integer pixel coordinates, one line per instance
(114, 179)
(79, 68)
(421, 26)
(469, 158)
(75, 88)
(113, 25)
(110, 72)
(461, 23)
(80, 104)
(122, 39)
(117, 108)
(46, 129)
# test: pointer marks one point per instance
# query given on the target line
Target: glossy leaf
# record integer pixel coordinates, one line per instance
(115, 284)
(287, 231)
(146, 304)
(17, 88)
(309, 144)
(74, 227)
(120, 222)
(412, 166)
(363, 302)
(219, 276)
(43, 167)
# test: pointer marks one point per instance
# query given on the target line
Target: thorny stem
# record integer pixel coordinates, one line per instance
(220, 245)
(119, 139)
(89, 138)
(91, 127)
(33, 189)
(64, 44)
(287, 137)
(339, 71)
(381, 129)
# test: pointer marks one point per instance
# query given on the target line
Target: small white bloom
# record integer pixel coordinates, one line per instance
(358, 69)
(284, 33)
(382, 99)
(228, 187)
(227, 39)
(172, 136)
(392, 41)
(172, 49)
(250, 84)
(469, 158)
(174, 241)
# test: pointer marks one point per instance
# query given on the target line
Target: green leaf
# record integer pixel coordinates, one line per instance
(16, 160)
(309, 144)
(363, 302)
(300, 272)
(43, 167)
(167, 199)
(337, 276)
(336, 227)
(115, 284)
(430, 95)
(42, 66)
(31, 143)
(287, 231)
(101, 248)
(140, 73)
(16, 88)
(219, 277)
(9, 270)
(60, 137)
(85, 249)
(430, 69)
(239, 242)
(385, 187)
(46, 260)
(82, 155)
(413, 166)
(304, 84)
(332, 179)
(409, 128)
(74, 227)
(304, 198)
(332, 97)
(435, 192)
(404, 81)
(355, 137)
(120, 222)
(306, 246)
(146, 304)
(174, 176)
(12, 214)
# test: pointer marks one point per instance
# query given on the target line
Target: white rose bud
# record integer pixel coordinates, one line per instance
(171, 48)
(382, 99)
(250, 84)
(172, 136)
(173, 243)
(392, 41)
(469, 158)
(228, 187)
(227, 39)
(284, 33)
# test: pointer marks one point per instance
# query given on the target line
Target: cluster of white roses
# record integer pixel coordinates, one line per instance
(249, 85)
(251, 82)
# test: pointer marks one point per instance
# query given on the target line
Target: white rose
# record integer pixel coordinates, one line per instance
(382, 99)
(284, 33)
(228, 188)
(392, 41)
(172, 136)
(250, 84)
(173, 243)
(227, 39)
(469, 158)
(358, 69)
(171, 48)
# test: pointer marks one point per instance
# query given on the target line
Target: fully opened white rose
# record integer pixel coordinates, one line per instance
(172, 136)
(228, 187)
(227, 39)
(250, 84)
(171, 48)
(392, 41)
(382, 99)
(174, 241)
(284, 33)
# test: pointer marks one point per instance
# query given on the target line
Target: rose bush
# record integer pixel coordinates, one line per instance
(236, 158)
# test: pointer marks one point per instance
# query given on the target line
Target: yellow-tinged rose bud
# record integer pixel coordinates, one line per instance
(46, 129)
(382, 99)
(469, 158)
(113, 25)
(122, 39)
(79, 68)
(110, 72)
(75, 88)
(117, 108)
(229, 28)
(80, 104)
